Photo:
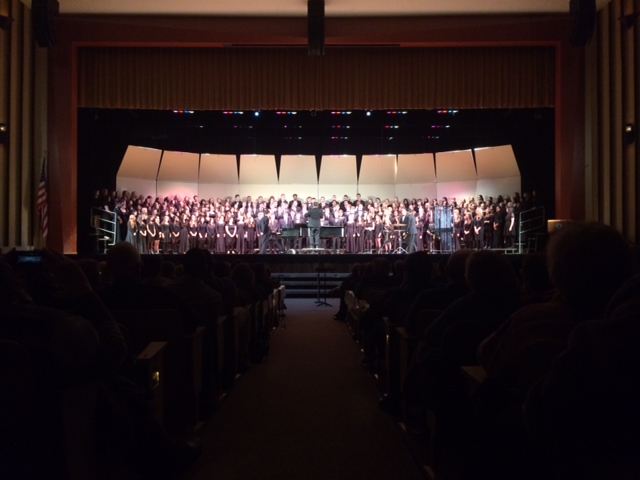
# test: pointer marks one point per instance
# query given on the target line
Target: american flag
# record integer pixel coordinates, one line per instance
(42, 201)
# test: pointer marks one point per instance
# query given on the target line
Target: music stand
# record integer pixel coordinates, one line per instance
(324, 271)
(398, 228)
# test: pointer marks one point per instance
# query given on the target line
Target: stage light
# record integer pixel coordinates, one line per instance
(629, 133)
(256, 113)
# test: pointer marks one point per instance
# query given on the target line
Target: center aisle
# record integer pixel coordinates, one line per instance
(309, 412)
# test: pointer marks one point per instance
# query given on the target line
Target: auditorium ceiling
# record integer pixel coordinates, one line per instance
(297, 8)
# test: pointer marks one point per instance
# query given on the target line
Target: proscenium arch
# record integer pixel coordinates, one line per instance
(76, 33)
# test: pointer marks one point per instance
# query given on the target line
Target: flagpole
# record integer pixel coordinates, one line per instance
(42, 200)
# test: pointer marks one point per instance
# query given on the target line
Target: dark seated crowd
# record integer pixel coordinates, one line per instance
(556, 336)
(58, 331)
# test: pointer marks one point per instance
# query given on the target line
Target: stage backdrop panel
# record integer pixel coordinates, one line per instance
(138, 185)
(218, 177)
(303, 191)
(456, 190)
(220, 169)
(498, 171)
(264, 190)
(455, 166)
(138, 170)
(381, 191)
(377, 170)
(178, 174)
(416, 169)
(496, 162)
(377, 176)
(216, 190)
(338, 170)
(140, 162)
(426, 190)
(456, 175)
(297, 170)
(498, 186)
(258, 170)
(416, 176)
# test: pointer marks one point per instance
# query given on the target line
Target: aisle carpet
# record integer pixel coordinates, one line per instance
(309, 412)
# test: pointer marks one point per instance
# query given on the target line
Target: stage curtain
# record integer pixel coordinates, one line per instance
(613, 93)
(288, 78)
(21, 145)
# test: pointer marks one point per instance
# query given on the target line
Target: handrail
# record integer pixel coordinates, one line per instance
(108, 224)
(530, 221)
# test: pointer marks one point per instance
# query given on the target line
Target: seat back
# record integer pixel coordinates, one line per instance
(183, 360)
(46, 432)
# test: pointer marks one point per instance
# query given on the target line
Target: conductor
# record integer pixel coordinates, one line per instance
(412, 231)
(263, 228)
(314, 216)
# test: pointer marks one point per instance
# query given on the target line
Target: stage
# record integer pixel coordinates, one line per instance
(308, 260)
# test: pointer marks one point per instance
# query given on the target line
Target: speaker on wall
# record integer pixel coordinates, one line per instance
(583, 19)
(43, 13)
(315, 26)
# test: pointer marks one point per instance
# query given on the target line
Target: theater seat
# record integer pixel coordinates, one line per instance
(183, 361)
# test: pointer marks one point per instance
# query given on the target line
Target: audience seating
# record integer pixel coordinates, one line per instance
(148, 370)
(279, 295)
(230, 350)
(392, 367)
(183, 361)
(407, 344)
(223, 346)
(50, 431)
(261, 325)
(462, 338)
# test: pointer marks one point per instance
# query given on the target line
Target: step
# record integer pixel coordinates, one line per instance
(305, 285)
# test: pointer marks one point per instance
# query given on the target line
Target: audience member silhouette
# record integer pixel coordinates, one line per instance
(127, 292)
(587, 263)
(78, 346)
(207, 305)
(452, 338)
(583, 416)
(348, 284)
(536, 284)
(439, 297)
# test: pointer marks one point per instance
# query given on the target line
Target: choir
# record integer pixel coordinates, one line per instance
(231, 225)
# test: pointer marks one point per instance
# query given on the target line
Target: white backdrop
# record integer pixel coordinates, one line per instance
(460, 174)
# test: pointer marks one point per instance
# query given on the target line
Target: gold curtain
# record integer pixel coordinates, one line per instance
(613, 101)
(344, 78)
(19, 163)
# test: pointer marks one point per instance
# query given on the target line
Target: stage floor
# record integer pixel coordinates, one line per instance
(307, 262)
